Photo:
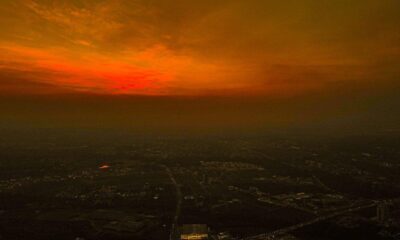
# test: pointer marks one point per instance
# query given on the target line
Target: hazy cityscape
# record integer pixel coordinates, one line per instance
(91, 185)
(199, 120)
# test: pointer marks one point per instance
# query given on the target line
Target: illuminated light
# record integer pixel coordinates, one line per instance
(194, 232)
(104, 167)
(194, 236)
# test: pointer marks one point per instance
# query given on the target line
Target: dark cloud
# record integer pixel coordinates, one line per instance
(19, 82)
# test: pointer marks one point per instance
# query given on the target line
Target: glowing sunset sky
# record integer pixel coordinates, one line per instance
(199, 47)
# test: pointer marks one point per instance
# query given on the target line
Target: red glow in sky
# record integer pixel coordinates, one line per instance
(196, 48)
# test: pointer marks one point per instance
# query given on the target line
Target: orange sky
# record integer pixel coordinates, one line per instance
(164, 47)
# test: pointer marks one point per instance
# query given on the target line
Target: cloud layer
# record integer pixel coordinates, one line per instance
(162, 47)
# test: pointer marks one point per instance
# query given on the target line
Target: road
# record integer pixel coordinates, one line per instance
(323, 185)
(286, 230)
(174, 224)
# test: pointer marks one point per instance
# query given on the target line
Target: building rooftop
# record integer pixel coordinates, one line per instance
(194, 231)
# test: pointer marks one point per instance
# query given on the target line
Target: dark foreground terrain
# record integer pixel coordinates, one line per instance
(107, 185)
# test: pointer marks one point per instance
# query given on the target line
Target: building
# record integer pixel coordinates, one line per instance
(382, 212)
(194, 232)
